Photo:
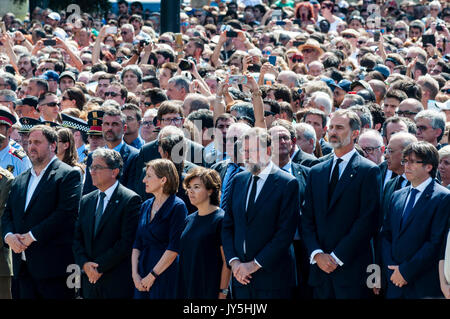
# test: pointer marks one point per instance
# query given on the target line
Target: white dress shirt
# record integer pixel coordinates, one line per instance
(421, 189)
(108, 194)
(345, 160)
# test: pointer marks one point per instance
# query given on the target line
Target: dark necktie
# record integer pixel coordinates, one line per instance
(410, 205)
(251, 199)
(99, 211)
(334, 179)
(399, 183)
(234, 169)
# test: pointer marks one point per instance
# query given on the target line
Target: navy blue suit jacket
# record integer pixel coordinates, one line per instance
(268, 232)
(346, 225)
(415, 245)
(128, 178)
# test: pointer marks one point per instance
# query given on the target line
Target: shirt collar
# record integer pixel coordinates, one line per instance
(346, 157)
(118, 147)
(423, 185)
(296, 149)
(266, 171)
(111, 190)
(288, 167)
(33, 172)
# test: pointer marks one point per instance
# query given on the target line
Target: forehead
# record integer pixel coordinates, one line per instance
(400, 126)
(313, 118)
(36, 135)
(340, 120)
(279, 130)
(367, 140)
(111, 118)
(170, 115)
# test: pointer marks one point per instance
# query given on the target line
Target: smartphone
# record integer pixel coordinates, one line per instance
(273, 59)
(279, 22)
(376, 36)
(232, 34)
(428, 38)
(111, 30)
(237, 79)
(49, 42)
(276, 14)
(184, 65)
(225, 28)
(143, 43)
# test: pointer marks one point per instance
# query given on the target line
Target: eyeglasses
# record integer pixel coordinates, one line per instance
(148, 104)
(434, 9)
(124, 32)
(408, 162)
(340, 48)
(113, 94)
(389, 151)
(405, 113)
(326, 5)
(51, 104)
(176, 120)
(307, 50)
(361, 42)
(348, 36)
(163, 41)
(445, 91)
(94, 168)
(147, 123)
(408, 59)
(370, 150)
(86, 62)
(422, 128)
(399, 30)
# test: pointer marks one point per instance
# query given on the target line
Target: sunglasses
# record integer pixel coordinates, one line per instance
(327, 5)
(348, 36)
(113, 94)
(52, 104)
(399, 30)
(445, 91)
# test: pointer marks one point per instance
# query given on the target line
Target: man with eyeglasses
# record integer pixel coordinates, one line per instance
(114, 125)
(401, 30)
(148, 129)
(127, 33)
(409, 108)
(48, 106)
(430, 126)
(415, 228)
(117, 92)
(371, 143)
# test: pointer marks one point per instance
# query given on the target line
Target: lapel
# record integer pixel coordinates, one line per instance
(91, 208)
(420, 206)
(400, 206)
(109, 210)
(321, 190)
(51, 170)
(346, 177)
(269, 185)
(23, 185)
(124, 152)
(241, 195)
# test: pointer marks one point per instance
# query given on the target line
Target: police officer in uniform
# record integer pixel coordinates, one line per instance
(12, 159)
(95, 135)
(79, 129)
(6, 179)
(26, 124)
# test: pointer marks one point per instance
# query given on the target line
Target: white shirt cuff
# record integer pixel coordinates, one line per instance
(340, 263)
(257, 263)
(234, 258)
(31, 234)
(4, 239)
(314, 253)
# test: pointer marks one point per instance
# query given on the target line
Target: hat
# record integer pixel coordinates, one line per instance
(351, 31)
(363, 83)
(7, 118)
(54, 16)
(69, 74)
(95, 122)
(51, 124)
(28, 100)
(50, 75)
(311, 43)
(74, 123)
(383, 70)
(27, 124)
(330, 82)
(367, 95)
(343, 85)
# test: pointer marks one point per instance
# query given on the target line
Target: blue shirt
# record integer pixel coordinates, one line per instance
(13, 163)
(231, 167)
(81, 153)
(138, 142)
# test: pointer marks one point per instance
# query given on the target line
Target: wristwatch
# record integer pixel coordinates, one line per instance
(224, 291)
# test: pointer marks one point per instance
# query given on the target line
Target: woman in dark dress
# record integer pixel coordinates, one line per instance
(203, 271)
(155, 252)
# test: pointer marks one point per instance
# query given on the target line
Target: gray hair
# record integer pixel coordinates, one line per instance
(112, 111)
(9, 80)
(437, 120)
(444, 152)
(373, 134)
(180, 82)
(133, 68)
(308, 132)
(112, 158)
(9, 95)
(364, 114)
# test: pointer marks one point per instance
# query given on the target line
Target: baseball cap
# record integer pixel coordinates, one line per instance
(69, 74)
(50, 75)
(330, 82)
(28, 100)
(344, 85)
(54, 16)
(384, 70)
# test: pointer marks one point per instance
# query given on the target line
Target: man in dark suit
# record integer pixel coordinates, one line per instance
(415, 228)
(6, 179)
(105, 231)
(318, 119)
(340, 213)
(39, 219)
(259, 224)
(113, 128)
(283, 139)
(169, 113)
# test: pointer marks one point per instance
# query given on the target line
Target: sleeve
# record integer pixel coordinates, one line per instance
(228, 227)
(177, 224)
(4, 194)
(78, 246)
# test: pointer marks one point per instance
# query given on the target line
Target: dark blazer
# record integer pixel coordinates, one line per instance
(344, 226)
(304, 159)
(128, 178)
(300, 173)
(326, 157)
(221, 168)
(415, 245)
(50, 216)
(326, 147)
(6, 179)
(150, 152)
(111, 247)
(268, 232)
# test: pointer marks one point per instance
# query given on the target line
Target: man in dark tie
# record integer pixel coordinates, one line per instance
(39, 220)
(259, 224)
(415, 227)
(105, 230)
(340, 214)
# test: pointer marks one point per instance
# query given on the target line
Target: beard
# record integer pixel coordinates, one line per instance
(253, 168)
(340, 143)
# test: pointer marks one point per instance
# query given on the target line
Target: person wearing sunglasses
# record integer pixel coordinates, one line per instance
(49, 106)
(116, 92)
(326, 11)
(401, 30)
(127, 33)
(430, 126)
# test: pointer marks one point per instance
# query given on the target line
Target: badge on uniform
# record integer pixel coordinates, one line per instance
(10, 168)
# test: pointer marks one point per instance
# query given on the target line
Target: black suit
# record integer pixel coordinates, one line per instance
(148, 152)
(344, 225)
(128, 178)
(326, 147)
(267, 232)
(111, 246)
(326, 157)
(221, 168)
(304, 159)
(50, 216)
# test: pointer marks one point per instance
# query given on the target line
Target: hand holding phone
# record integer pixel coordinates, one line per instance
(49, 42)
(237, 79)
(111, 30)
(232, 34)
(273, 59)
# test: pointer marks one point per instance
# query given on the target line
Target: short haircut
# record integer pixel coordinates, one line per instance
(308, 132)
(210, 179)
(48, 132)
(364, 115)
(156, 95)
(123, 89)
(168, 107)
(274, 105)
(411, 88)
(133, 68)
(374, 134)
(133, 107)
(286, 108)
(10, 80)
(205, 116)
(112, 158)
(287, 125)
(224, 117)
(425, 152)
(318, 113)
(180, 82)
(41, 83)
(437, 120)
(399, 95)
(354, 121)
(165, 168)
(444, 152)
(264, 138)
(113, 111)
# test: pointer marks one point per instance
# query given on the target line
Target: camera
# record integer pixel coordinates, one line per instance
(439, 27)
(143, 43)
(185, 65)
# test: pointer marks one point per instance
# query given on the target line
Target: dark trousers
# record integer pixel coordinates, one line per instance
(5, 287)
(302, 290)
(327, 290)
(249, 292)
(38, 288)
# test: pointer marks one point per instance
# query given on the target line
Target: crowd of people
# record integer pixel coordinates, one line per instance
(270, 149)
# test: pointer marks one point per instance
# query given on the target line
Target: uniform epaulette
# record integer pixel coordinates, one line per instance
(5, 173)
(20, 154)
